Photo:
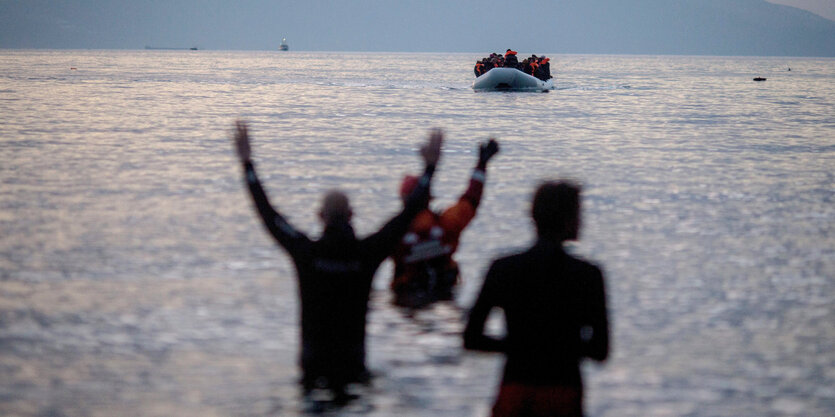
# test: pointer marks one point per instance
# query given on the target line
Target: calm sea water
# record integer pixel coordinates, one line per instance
(136, 280)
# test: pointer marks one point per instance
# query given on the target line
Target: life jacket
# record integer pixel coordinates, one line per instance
(427, 240)
(510, 60)
(544, 70)
(534, 67)
(423, 259)
(509, 53)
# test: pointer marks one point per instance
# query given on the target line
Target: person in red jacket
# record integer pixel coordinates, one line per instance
(424, 270)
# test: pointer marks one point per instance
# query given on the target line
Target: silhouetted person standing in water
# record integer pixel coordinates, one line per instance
(555, 309)
(335, 273)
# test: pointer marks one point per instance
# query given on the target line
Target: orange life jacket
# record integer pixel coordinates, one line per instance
(432, 239)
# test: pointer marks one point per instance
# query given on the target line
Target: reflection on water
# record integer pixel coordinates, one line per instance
(135, 275)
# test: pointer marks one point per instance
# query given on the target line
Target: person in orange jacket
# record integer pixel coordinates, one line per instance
(544, 69)
(424, 270)
(510, 59)
(479, 68)
(534, 66)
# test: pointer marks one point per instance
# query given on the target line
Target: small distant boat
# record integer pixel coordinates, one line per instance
(510, 79)
(760, 79)
(283, 46)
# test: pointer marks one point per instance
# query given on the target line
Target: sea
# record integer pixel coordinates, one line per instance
(136, 279)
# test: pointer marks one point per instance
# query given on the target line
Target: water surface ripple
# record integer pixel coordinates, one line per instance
(137, 280)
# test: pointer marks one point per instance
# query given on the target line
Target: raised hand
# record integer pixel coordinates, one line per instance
(431, 151)
(487, 150)
(242, 141)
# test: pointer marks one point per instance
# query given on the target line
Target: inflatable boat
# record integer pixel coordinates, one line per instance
(510, 79)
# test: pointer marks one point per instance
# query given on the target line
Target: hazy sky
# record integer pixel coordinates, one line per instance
(715, 27)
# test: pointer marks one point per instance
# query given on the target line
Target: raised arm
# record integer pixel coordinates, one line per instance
(455, 218)
(486, 151)
(474, 337)
(282, 231)
(384, 241)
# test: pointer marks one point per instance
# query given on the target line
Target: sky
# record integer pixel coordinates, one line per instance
(685, 27)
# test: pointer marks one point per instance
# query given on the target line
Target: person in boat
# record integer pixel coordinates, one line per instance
(510, 59)
(479, 68)
(528, 68)
(543, 70)
(555, 312)
(482, 66)
(494, 60)
(335, 272)
(424, 270)
(488, 65)
(534, 65)
(525, 65)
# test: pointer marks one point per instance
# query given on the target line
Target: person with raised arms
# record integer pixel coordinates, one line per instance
(335, 272)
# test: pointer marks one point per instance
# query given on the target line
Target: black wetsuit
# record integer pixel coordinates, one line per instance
(335, 274)
(555, 307)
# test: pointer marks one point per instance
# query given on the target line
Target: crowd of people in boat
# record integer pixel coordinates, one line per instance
(537, 66)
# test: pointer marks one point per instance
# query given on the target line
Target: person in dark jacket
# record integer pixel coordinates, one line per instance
(510, 59)
(555, 310)
(335, 273)
(533, 65)
(488, 64)
(545, 68)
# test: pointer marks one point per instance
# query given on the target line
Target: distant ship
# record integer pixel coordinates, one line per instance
(283, 46)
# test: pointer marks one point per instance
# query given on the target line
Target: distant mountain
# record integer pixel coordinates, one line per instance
(691, 27)
(688, 27)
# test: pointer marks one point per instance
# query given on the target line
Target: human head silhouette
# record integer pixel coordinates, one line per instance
(335, 208)
(556, 210)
